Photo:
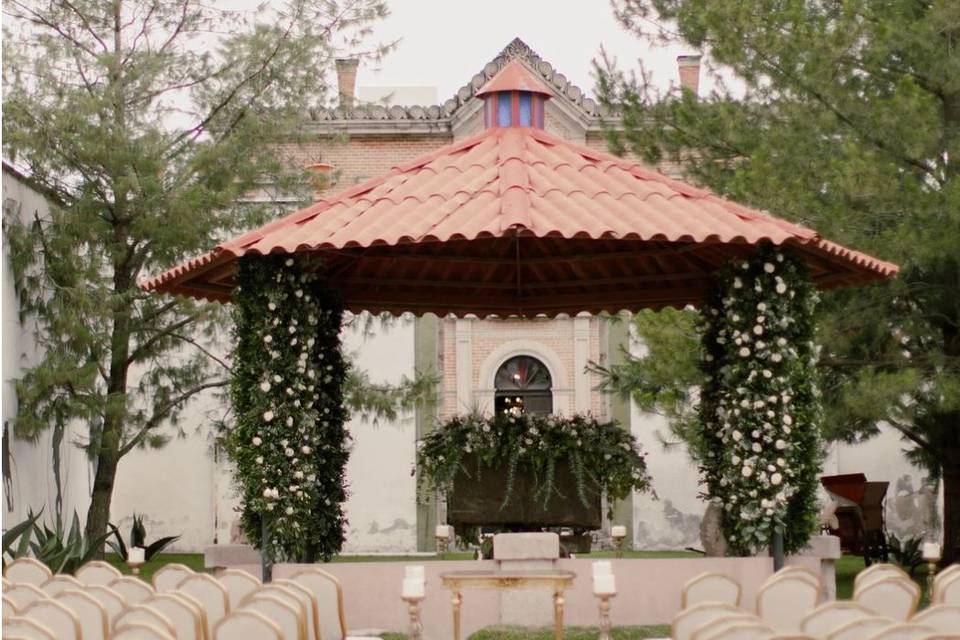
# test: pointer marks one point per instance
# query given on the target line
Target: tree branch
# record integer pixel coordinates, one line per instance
(160, 414)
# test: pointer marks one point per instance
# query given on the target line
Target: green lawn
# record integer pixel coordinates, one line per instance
(570, 633)
(849, 566)
(192, 560)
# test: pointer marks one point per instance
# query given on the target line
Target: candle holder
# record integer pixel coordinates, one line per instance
(618, 533)
(413, 610)
(931, 553)
(443, 544)
(604, 605)
(135, 566)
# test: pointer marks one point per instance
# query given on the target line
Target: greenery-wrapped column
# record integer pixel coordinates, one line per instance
(759, 409)
(289, 442)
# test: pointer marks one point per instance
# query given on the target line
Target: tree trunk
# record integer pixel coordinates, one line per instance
(98, 515)
(951, 507)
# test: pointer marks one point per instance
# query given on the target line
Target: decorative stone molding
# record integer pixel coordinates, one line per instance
(562, 394)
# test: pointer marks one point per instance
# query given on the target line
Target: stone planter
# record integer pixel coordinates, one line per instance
(477, 500)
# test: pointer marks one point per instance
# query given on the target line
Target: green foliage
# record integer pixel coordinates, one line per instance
(147, 125)
(62, 550)
(907, 553)
(845, 118)
(759, 446)
(289, 445)
(598, 453)
(138, 538)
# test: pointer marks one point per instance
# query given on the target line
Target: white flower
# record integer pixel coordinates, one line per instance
(267, 493)
(275, 493)
(267, 416)
(272, 306)
(767, 373)
(756, 447)
(746, 471)
(744, 352)
(735, 318)
(311, 478)
(781, 462)
(761, 306)
(289, 262)
(289, 511)
(277, 378)
(289, 421)
(776, 357)
(781, 288)
(298, 293)
(735, 459)
(736, 435)
(768, 267)
(776, 479)
(268, 338)
(257, 441)
(259, 459)
(306, 449)
(758, 330)
(269, 506)
(780, 444)
(289, 452)
(737, 283)
(284, 442)
(787, 420)
(264, 386)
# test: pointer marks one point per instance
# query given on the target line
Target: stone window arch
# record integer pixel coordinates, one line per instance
(523, 384)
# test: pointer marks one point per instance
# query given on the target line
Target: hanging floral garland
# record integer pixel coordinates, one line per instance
(289, 443)
(600, 455)
(760, 410)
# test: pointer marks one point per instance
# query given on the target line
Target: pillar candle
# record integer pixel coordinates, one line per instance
(136, 555)
(415, 572)
(931, 551)
(618, 531)
(604, 584)
(413, 588)
(443, 531)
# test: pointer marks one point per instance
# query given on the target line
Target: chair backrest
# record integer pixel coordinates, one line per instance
(183, 613)
(141, 613)
(132, 589)
(903, 631)
(169, 576)
(296, 598)
(940, 617)
(246, 625)
(947, 590)
(97, 572)
(9, 607)
(783, 601)
(27, 571)
(877, 572)
(691, 619)
(739, 627)
(239, 585)
(211, 595)
(329, 594)
(313, 624)
(829, 616)
(60, 582)
(860, 628)
(282, 612)
(61, 620)
(94, 622)
(141, 631)
(800, 572)
(23, 594)
(895, 598)
(111, 601)
(20, 627)
(946, 574)
(710, 587)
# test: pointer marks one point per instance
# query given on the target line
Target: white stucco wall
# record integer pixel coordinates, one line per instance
(381, 508)
(32, 483)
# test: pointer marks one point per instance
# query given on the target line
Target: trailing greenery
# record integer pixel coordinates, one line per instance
(289, 442)
(599, 454)
(845, 117)
(63, 550)
(759, 448)
(138, 538)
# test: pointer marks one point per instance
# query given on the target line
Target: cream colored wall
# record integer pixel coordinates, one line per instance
(32, 483)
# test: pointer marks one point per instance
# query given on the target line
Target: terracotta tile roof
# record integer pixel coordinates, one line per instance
(515, 220)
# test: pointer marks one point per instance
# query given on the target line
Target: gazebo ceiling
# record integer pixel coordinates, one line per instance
(515, 221)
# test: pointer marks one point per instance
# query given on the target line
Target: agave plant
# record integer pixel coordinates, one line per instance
(62, 550)
(138, 538)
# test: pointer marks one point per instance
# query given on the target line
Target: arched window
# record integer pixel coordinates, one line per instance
(523, 384)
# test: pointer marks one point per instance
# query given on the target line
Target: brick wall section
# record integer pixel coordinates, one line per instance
(599, 142)
(359, 158)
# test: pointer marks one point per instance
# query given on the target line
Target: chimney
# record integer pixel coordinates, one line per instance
(347, 80)
(689, 68)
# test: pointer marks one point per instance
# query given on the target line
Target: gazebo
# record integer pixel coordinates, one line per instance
(515, 221)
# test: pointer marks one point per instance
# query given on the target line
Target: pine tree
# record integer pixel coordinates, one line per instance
(148, 122)
(849, 122)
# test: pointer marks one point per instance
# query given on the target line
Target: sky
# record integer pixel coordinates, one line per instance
(444, 43)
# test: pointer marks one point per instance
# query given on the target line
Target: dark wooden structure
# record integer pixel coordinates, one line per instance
(860, 514)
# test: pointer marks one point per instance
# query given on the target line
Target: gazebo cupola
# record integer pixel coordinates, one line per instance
(513, 98)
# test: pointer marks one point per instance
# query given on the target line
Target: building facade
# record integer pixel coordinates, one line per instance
(482, 365)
